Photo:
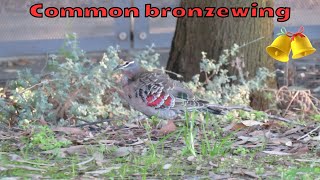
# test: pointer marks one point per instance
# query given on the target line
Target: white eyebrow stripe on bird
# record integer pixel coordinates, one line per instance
(127, 63)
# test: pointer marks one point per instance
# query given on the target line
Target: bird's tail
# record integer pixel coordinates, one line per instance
(204, 106)
(215, 110)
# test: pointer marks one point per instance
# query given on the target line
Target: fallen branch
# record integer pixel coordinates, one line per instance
(248, 109)
(304, 136)
(93, 123)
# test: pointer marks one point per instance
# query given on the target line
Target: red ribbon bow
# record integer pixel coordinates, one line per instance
(299, 33)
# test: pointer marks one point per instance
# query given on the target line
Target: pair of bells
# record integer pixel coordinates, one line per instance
(282, 45)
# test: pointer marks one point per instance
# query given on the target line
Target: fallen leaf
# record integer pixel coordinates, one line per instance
(269, 135)
(42, 121)
(3, 169)
(213, 165)
(308, 160)
(99, 158)
(136, 143)
(278, 141)
(103, 171)
(234, 127)
(70, 130)
(170, 127)
(131, 126)
(15, 157)
(218, 176)
(25, 167)
(85, 162)
(250, 139)
(300, 149)
(257, 133)
(292, 131)
(108, 142)
(123, 151)
(191, 158)
(250, 123)
(316, 138)
(246, 172)
(279, 153)
(166, 166)
(63, 152)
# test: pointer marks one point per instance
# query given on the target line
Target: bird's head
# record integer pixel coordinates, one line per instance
(129, 68)
(125, 65)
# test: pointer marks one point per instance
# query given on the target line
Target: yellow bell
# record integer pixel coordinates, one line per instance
(301, 46)
(280, 48)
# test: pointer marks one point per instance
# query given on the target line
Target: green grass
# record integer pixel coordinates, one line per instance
(197, 148)
(301, 172)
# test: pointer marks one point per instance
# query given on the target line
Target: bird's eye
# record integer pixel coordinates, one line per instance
(127, 63)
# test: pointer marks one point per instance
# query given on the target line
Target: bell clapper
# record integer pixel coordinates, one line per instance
(276, 53)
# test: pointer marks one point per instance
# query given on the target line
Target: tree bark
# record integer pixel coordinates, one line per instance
(214, 34)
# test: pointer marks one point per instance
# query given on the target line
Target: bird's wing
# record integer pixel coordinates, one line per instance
(158, 90)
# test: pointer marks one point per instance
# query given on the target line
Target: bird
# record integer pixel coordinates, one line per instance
(154, 93)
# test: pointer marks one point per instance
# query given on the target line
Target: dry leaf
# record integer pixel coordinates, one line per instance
(70, 130)
(316, 138)
(246, 172)
(103, 171)
(300, 149)
(250, 139)
(3, 169)
(108, 142)
(167, 166)
(213, 164)
(234, 127)
(85, 162)
(99, 158)
(136, 143)
(123, 151)
(81, 149)
(170, 127)
(25, 167)
(292, 131)
(279, 153)
(218, 176)
(258, 133)
(191, 158)
(131, 125)
(42, 121)
(278, 141)
(250, 123)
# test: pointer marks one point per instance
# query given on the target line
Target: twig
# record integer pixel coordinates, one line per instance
(25, 167)
(304, 136)
(258, 39)
(229, 108)
(282, 119)
(170, 72)
(86, 121)
(34, 163)
(308, 160)
(248, 109)
(43, 82)
(291, 101)
(93, 123)
(85, 162)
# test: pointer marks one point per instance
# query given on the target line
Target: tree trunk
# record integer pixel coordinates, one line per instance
(214, 34)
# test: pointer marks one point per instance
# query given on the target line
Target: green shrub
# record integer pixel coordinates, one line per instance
(78, 88)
